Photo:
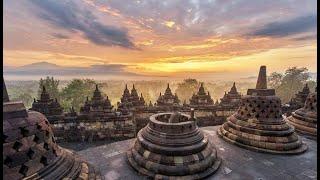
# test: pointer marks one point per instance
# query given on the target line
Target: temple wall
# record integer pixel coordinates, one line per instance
(201, 113)
(206, 117)
(225, 113)
(120, 127)
(87, 127)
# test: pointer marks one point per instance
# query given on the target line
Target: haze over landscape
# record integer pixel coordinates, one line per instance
(207, 40)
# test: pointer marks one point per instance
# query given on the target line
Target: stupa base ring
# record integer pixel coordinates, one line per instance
(299, 150)
(67, 166)
(305, 130)
(209, 171)
(306, 134)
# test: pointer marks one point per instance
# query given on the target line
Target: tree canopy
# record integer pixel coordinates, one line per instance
(289, 83)
(51, 86)
(187, 88)
(76, 92)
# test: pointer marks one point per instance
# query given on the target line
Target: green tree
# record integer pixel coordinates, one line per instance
(292, 81)
(51, 86)
(186, 89)
(274, 80)
(25, 97)
(76, 92)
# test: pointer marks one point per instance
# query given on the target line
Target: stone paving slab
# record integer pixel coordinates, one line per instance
(237, 163)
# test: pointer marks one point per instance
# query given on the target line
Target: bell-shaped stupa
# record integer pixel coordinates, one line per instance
(305, 119)
(172, 146)
(258, 123)
(30, 150)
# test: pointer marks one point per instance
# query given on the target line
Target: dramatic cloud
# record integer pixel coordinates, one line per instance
(175, 35)
(198, 18)
(69, 16)
(306, 38)
(288, 28)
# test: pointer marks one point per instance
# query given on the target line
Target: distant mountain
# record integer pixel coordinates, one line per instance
(40, 65)
(7, 67)
(50, 69)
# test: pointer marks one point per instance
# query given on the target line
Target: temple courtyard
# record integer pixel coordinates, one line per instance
(237, 163)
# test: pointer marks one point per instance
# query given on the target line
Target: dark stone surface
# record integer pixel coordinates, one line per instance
(30, 151)
(237, 163)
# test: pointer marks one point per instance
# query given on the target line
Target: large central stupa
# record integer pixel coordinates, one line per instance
(258, 123)
(172, 146)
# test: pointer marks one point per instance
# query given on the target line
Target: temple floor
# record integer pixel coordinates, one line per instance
(237, 163)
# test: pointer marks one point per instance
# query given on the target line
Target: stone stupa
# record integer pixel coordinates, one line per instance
(258, 124)
(30, 150)
(172, 146)
(305, 119)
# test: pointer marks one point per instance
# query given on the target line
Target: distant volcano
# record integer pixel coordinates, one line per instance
(50, 69)
(40, 65)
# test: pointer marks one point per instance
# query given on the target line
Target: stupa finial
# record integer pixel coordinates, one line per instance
(262, 78)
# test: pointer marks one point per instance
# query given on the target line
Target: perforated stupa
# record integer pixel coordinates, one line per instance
(258, 123)
(172, 146)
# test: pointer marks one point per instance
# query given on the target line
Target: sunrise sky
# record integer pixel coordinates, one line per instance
(163, 37)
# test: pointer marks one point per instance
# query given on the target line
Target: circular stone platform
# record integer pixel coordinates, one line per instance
(172, 146)
(305, 119)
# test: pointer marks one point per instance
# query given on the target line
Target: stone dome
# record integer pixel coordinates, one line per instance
(172, 146)
(30, 150)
